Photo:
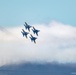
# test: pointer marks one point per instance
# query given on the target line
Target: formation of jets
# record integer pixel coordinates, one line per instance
(34, 30)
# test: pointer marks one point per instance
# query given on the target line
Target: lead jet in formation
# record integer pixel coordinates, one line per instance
(24, 33)
(27, 26)
(35, 31)
(33, 39)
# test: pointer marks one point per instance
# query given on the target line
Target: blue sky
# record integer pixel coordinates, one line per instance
(16, 12)
(56, 41)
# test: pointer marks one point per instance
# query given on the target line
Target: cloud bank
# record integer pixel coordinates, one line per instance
(56, 43)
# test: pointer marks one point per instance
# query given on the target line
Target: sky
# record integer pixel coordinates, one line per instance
(57, 37)
(16, 12)
(56, 43)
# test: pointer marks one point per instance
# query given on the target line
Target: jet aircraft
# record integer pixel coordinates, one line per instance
(33, 39)
(27, 26)
(24, 33)
(35, 31)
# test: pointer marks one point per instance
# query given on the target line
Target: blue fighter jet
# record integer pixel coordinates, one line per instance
(33, 39)
(24, 33)
(27, 26)
(35, 31)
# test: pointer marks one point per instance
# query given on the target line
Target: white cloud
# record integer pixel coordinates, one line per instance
(56, 43)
